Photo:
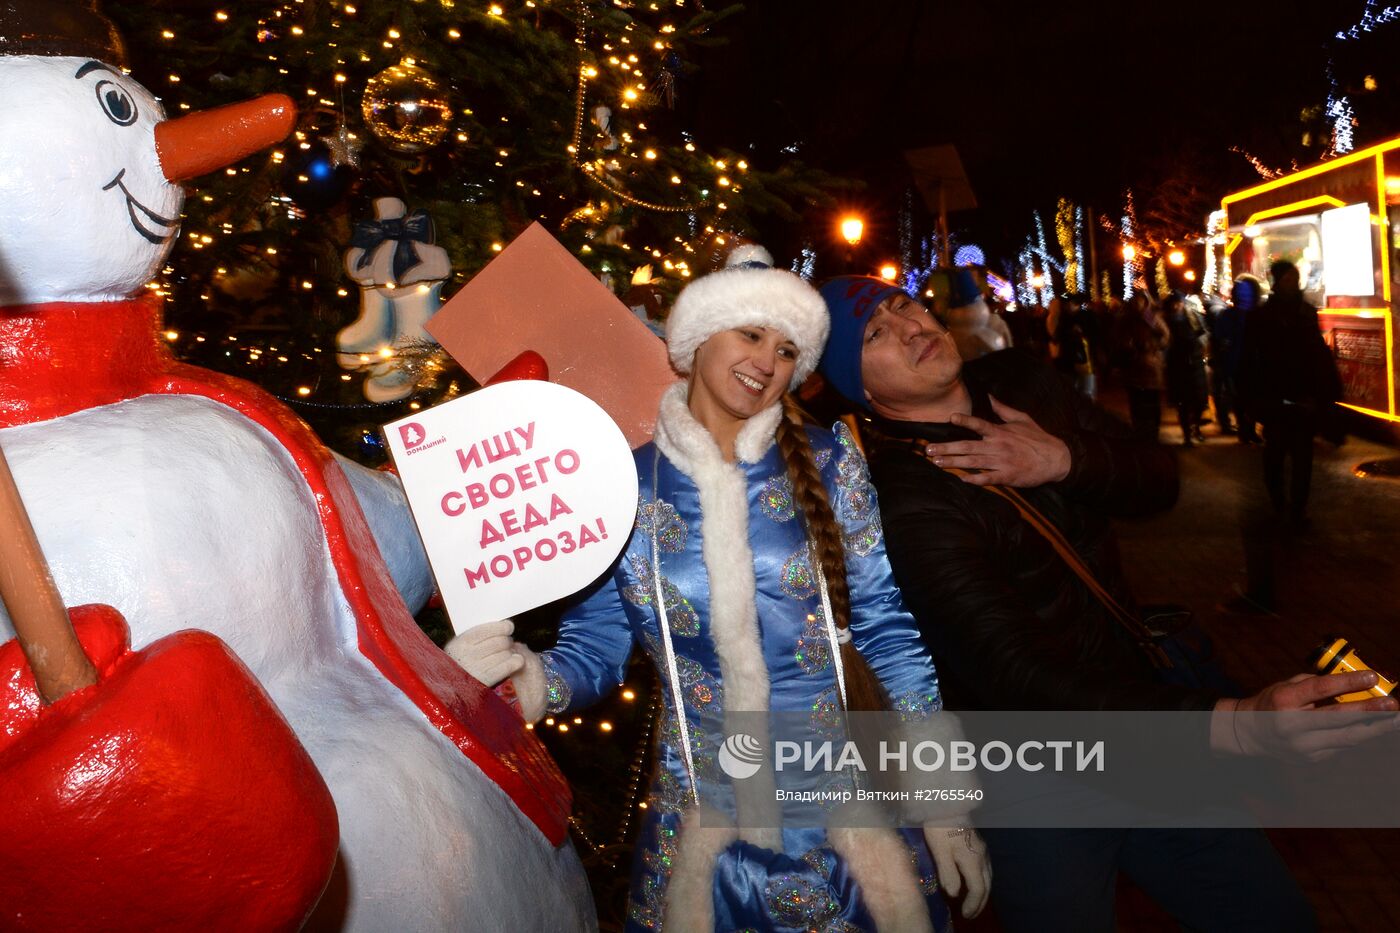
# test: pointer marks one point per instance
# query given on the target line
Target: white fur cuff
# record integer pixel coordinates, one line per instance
(530, 687)
(942, 729)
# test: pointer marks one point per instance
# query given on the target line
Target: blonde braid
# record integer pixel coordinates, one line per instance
(863, 690)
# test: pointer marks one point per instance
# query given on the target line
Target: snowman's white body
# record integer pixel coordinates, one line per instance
(183, 513)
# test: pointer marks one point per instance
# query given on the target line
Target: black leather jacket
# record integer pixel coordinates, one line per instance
(1009, 624)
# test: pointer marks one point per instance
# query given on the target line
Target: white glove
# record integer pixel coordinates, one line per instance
(487, 651)
(961, 856)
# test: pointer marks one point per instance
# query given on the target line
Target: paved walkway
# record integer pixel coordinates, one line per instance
(1341, 575)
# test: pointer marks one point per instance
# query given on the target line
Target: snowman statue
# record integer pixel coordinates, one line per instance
(187, 499)
(400, 273)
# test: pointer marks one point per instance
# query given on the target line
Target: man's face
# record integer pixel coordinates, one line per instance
(907, 357)
(1286, 282)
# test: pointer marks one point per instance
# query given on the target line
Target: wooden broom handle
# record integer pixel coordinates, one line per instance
(41, 623)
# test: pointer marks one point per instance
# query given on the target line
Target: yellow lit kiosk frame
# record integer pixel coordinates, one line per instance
(1359, 327)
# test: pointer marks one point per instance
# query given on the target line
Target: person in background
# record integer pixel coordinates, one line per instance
(975, 329)
(998, 320)
(1185, 365)
(1246, 294)
(1290, 380)
(1196, 309)
(1074, 340)
(1222, 398)
(1142, 346)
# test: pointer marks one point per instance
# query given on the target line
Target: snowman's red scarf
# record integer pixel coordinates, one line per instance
(57, 359)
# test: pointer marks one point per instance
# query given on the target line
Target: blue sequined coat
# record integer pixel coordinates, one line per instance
(807, 885)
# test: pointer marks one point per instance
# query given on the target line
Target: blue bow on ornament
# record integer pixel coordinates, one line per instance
(404, 231)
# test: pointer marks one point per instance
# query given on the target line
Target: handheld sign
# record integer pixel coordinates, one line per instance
(523, 493)
(535, 294)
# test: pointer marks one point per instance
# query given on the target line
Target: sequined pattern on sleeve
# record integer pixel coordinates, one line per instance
(557, 692)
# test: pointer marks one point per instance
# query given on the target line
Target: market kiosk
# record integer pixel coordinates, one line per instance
(1334, 220)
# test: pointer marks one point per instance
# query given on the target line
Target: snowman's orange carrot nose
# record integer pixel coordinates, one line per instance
(192, 145)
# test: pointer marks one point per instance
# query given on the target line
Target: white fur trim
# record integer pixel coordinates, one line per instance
(880, 863)
(724, 546)
(737, 297)
(758, 434)
(686, 442)
(748, 252)
(690, 899)
(530, 687)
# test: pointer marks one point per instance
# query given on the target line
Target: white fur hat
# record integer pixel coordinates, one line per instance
(748, 291)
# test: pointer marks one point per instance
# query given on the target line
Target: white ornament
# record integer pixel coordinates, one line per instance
(602, 118)
(395, 304)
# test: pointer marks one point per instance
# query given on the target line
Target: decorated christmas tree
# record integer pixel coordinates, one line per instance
(486, 116)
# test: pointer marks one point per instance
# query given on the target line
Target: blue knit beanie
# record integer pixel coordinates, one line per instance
(851, 299)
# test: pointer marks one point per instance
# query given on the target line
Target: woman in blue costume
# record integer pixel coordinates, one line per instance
(752, 532)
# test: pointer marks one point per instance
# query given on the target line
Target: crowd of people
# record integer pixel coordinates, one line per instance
(1254, 359)
(971, 565)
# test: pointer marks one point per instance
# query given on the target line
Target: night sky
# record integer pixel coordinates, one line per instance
(1076, 99)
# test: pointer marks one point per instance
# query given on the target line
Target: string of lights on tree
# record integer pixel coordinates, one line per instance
(616, 845)
(1132, 262)
(1217, 260)
(1039, 266)
(1340, 113)
(1036, 284)
(1374, 15)
(488, 115)
(1069, 223)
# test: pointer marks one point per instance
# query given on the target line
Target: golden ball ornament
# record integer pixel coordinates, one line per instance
(406, 107)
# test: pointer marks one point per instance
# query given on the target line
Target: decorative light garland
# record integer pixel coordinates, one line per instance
(631, 802)
(580, 101)
(1369, 20)
(1080, 267)
(1216, 257)
(1132, 266)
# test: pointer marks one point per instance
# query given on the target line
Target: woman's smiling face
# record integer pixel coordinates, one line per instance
(739, 373)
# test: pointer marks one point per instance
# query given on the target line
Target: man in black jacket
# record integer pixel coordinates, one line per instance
(1011, 626)
(1290, 379)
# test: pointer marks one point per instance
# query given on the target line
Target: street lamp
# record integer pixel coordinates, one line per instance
(852, 229)
(888, 272)
(1190, 275)
(1176, 257)
(1128, 252)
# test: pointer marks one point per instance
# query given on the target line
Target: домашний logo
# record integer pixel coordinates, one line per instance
(411, 435)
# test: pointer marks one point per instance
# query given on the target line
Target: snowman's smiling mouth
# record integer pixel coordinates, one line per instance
(136, 210)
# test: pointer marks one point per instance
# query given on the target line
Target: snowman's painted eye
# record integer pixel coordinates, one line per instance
(116, 103)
